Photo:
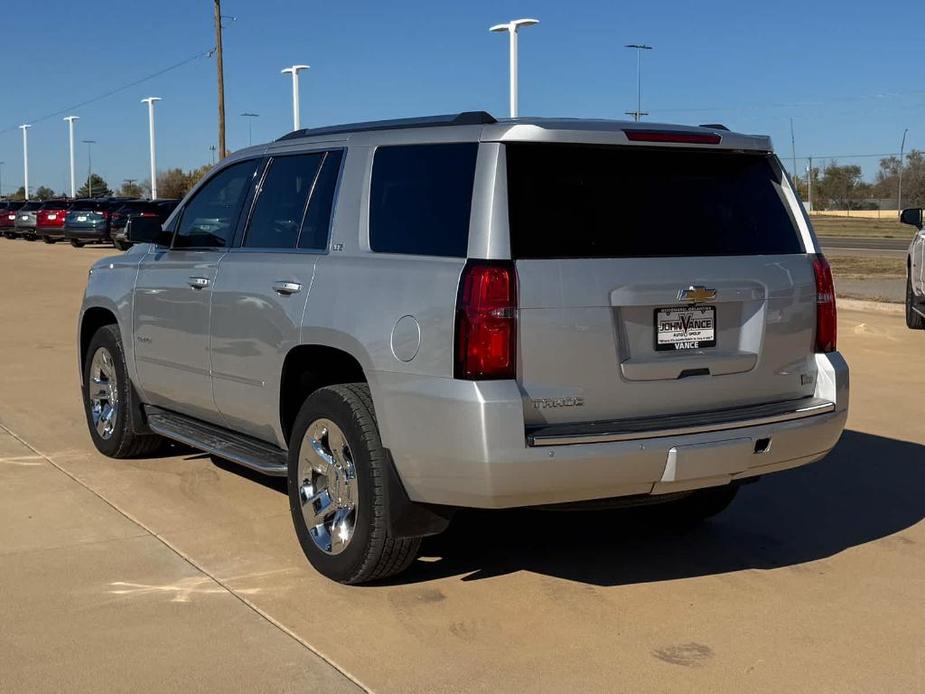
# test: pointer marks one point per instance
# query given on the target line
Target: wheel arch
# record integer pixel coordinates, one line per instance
(92, 319)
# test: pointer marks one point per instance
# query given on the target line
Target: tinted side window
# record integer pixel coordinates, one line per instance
(420, 199)
(317, 222)
(209, 219)
(281, 202)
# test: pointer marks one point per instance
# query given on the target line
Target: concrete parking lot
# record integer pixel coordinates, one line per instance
(182, 573)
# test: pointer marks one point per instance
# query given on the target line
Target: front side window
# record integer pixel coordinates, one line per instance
(209, 219)
(278, 212)
(420, 199)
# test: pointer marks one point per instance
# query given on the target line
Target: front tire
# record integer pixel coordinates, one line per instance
(914, 319)
(110, 400)
(76, 243)
(337, 488)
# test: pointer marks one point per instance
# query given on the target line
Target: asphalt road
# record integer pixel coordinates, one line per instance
(181, 573)
(849, 245)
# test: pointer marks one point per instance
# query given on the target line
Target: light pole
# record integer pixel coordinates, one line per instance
(1, 178)
(902, 153)
(512, 29)
(150, 102)
(89, 144)
(25, 157)
(638, 113)
(294, 71)
(70, 134)
(250, 119)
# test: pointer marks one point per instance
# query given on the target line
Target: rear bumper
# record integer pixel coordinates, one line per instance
(50, 232)
(86, 234)
(463, 444)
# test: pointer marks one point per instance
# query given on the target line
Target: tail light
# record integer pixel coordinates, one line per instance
(672, 136)
(826, 315)
(486, 322)
(148, 214)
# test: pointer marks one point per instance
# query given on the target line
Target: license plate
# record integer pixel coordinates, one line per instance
(25, 218)
(685, 327)
(82, 218)
(52, 216)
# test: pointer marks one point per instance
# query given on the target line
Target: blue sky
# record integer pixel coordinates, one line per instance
(850, 77)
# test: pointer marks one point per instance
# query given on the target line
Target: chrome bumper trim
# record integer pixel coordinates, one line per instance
(698, 423)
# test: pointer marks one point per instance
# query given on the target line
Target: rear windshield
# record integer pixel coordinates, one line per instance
(132, 207)
(89, 206)
(31, 206)
(578, 201)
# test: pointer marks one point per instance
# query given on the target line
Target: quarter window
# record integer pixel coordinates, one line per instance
(210, 218)
(420, 199)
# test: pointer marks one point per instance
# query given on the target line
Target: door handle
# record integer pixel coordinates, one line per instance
(287, 288)
(199, 282)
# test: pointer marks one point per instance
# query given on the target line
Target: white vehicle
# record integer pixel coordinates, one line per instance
(915, 271)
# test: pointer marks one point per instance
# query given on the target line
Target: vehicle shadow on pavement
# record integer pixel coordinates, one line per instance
(868, 488)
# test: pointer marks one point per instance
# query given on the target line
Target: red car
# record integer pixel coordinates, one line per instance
(49, 220)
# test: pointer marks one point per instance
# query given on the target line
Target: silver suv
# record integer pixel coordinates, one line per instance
(413, 316)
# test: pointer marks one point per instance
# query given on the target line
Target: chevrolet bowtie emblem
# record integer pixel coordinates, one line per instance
(696, 294)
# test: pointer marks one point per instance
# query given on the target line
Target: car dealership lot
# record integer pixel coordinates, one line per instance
(183, 573)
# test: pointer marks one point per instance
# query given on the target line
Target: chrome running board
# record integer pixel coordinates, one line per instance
(608, 431)
(218, 441)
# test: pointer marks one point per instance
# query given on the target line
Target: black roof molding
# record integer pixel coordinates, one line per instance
(713, 126)
(464, 118)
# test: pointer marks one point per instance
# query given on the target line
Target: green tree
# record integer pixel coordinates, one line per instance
(44, 193)
(96, 187)
(20, 194)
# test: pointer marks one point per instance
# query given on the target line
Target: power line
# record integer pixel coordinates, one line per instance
(112, 92)
(798, 104)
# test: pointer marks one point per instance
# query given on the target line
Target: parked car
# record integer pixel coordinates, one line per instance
(915, 271)
(459, 312)
(8, 210)
(155, 209)
(49, 220)
(25, 219)
(88, 221)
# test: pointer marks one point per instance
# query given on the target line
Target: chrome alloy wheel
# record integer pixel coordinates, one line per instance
(328, 489)
(103, 393)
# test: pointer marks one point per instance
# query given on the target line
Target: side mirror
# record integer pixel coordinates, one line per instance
(146, 230)
(913, 216)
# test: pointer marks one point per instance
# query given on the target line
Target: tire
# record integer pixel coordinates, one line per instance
(76, 243)
(914, 320)
(701, 505)
(119, 437)
(48, 239)
(121, 245)
(369, 553)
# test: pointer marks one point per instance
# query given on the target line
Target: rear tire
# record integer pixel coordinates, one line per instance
(701, 505)
(914, 320)
(121, 245)
(48, 239)
(337, 463)
(110, 400)
(77, 243)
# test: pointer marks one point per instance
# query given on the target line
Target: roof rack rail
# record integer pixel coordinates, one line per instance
(464, 118)
(714, 126)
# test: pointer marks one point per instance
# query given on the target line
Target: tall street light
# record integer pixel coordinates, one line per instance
(89, 144)
(70, 133)
(638, 113)
(1, 178)
(25, 157)
(250, 119)
(150, 102)
(902, 154)
(512, 29)
(294, 71)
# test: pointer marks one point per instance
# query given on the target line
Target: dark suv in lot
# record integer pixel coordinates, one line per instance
(88, 221)
(154, 209)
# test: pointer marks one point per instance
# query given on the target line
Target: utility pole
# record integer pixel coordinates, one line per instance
(25, 157)
(222, 152)
(1, 178)
(638, 113)
(902, 154)
(512, 28)
(89, 144)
